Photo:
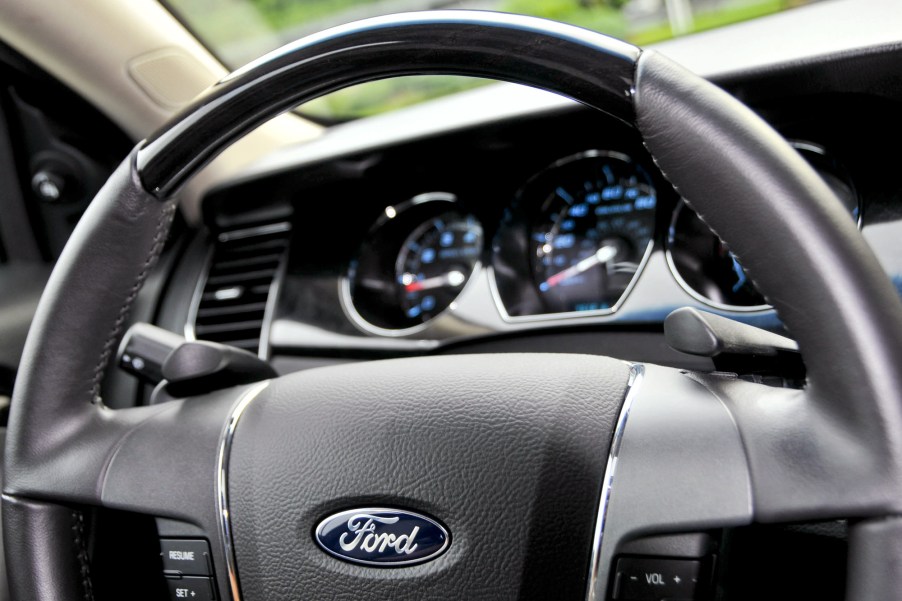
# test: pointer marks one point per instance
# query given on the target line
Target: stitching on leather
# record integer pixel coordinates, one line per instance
(664, 173)
(645, 145)
(81, 553)
(159, 240)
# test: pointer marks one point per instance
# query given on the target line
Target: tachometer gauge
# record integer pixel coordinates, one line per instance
(414, 263)
(598, 222)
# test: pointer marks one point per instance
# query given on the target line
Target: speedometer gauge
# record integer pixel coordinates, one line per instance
(598, 223)
(591, 221)
(414, 263)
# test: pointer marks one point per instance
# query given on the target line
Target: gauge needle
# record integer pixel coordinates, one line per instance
(603, 255)
(452, 278)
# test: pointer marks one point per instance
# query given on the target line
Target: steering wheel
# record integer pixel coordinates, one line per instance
(538, 467)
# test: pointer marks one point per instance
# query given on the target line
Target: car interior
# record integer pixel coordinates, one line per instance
(622, 324)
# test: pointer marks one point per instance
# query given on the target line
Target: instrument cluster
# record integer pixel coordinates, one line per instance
(572, 241)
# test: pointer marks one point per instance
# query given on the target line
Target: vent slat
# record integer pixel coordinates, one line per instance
(268, 260)
(248, 246)
(248, 344)
(240, 278)
(236, 326)
(216, 311)
(232, 305)
(236, 295)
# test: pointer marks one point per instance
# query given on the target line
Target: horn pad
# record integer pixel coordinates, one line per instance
(507, 455)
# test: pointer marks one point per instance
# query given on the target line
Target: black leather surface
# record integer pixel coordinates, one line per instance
(4, 581)
(875, 566)
(806, 255)
(48, 541)
(74, 332)
(59, 437)
(513, 469)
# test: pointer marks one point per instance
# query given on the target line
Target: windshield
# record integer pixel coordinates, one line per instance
(238, 31)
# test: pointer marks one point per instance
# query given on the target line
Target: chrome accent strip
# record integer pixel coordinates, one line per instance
(272, 297)
(637, 374)
(222, 475)
(194, 306)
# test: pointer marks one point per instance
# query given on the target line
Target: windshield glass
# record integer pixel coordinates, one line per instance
(238, 31)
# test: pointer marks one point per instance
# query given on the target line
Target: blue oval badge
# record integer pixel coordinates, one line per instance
(378, 536)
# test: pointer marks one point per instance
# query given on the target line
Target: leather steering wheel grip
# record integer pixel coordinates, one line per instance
(813, 266)
(743, 179)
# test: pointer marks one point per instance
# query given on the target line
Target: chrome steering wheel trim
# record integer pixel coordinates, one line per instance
(524, 50)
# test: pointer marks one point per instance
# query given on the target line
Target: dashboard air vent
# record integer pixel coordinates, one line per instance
(231, 307)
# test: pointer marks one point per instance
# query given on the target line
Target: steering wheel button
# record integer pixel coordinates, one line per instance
(186, 557)
(190, 588)
(653, 579)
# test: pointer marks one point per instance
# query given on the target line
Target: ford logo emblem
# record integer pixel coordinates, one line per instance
(377, 536)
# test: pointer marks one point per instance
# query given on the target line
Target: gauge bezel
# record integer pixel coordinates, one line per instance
(814, 148)
(671, 265)
(798, 145)
(571, 315)
(389, 213)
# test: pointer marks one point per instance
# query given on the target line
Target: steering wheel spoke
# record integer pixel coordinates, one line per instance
(167, 466)
(677, 464)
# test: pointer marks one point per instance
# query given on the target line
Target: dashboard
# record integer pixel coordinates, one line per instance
(506, 234)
